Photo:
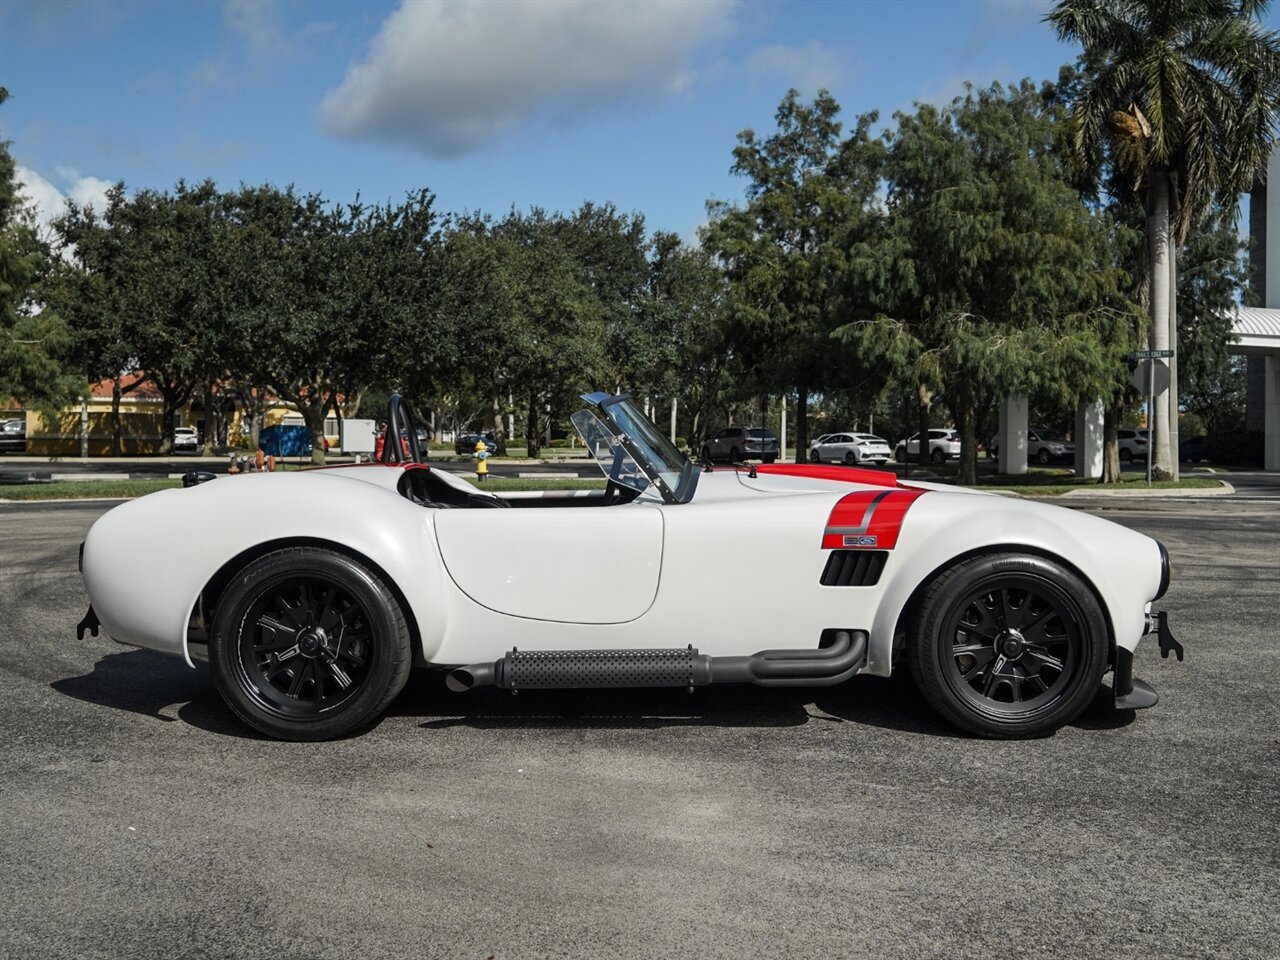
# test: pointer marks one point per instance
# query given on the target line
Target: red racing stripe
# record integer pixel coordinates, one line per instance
(819, 471)
(868, 519)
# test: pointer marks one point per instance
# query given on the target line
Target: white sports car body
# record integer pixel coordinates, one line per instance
(312, 593)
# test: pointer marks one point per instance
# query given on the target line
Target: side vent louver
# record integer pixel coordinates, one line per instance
(854, 568)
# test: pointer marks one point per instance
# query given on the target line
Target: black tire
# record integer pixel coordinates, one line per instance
(735, 456)
(1044, 457)
(937, 456)
(850, 459)
(900, 454)
(1008, 645)
(1126, 456)
(769, 457)
(815, 457)
(309, 644)
(706, 454)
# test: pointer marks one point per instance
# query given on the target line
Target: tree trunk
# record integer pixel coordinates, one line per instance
(497, 418)
(531, 429)
(1174, 467)
(967, 421)
(313, 416)
(802, 425)
(167, 421)
(926, 402)
(115, 417)
(210, 422)
(1111, 419)
(1160, 241)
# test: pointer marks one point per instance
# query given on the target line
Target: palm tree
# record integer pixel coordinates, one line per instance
(1184, 100)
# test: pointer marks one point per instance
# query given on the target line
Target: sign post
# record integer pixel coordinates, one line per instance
(1153, 356)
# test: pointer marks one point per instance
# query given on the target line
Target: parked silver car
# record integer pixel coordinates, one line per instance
(850, 448)
(741, 443)
(1043, 446)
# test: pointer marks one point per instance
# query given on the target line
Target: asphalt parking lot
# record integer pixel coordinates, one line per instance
(140, 819)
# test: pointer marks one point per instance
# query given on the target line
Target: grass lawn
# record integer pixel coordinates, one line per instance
(1038, 481)
(1051, 481)
(125, 488)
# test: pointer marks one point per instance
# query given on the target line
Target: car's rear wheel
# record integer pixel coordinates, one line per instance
(1125, 455)
(937, 456)
(309, 644)
(735, 456)
(851, 459)
(1008, 645)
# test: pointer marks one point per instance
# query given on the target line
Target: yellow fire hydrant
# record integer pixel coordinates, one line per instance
(482, 461)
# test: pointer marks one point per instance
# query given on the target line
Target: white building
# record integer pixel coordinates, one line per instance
(1257, 329)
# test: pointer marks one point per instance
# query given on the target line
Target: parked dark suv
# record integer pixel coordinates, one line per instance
(741, 443)
(13, 436)
(466, 444)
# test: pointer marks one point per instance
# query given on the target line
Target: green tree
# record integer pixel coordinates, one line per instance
(34, 342)
(554, 335)
(990, 277)
(784, 251)
(1182, 102)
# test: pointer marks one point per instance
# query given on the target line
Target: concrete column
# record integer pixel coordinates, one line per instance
(1012, 438)
(1088, 438)
(1271, 425)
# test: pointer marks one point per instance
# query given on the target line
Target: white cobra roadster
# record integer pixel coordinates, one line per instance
(312, 594)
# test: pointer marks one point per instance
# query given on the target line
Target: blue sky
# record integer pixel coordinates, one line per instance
(487, 104)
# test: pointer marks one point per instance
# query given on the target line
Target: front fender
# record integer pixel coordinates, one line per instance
(1123, 567)
(146, 562)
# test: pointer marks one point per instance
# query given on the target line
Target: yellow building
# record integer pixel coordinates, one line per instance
(88, 425)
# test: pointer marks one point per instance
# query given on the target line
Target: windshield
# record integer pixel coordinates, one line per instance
(631, 450)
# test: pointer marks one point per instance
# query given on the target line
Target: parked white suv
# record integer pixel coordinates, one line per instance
(185, 439)
(1133, 444)
(943, 445)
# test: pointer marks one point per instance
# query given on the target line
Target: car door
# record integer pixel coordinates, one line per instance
(586, 565)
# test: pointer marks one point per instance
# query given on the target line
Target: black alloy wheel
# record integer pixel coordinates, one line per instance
(1126, 456)
(1009, 646)
(937, 456)
(1044, 456)
(815, 457)
(309, 644)
(851, 459)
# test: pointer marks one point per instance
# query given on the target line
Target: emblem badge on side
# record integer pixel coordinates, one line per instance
(851, 541)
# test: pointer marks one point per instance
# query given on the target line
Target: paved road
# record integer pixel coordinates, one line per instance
(138, 819)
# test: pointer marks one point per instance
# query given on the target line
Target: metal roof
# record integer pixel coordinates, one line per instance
(1257, 330)
(1256, 322)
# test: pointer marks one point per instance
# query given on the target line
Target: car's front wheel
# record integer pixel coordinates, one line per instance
(815, 456)
(1044, 456)
(706, 454)
(1008, 645)
(309, 644)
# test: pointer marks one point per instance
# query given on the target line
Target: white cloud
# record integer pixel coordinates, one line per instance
(48, 201)
(811, 67)
(447, 77)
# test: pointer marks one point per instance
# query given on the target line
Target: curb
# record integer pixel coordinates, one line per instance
(1224, 490)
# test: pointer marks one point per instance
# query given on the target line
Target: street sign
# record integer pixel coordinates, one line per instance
(1150, 354)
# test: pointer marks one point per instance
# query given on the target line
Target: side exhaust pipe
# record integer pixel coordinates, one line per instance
(667, 667)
